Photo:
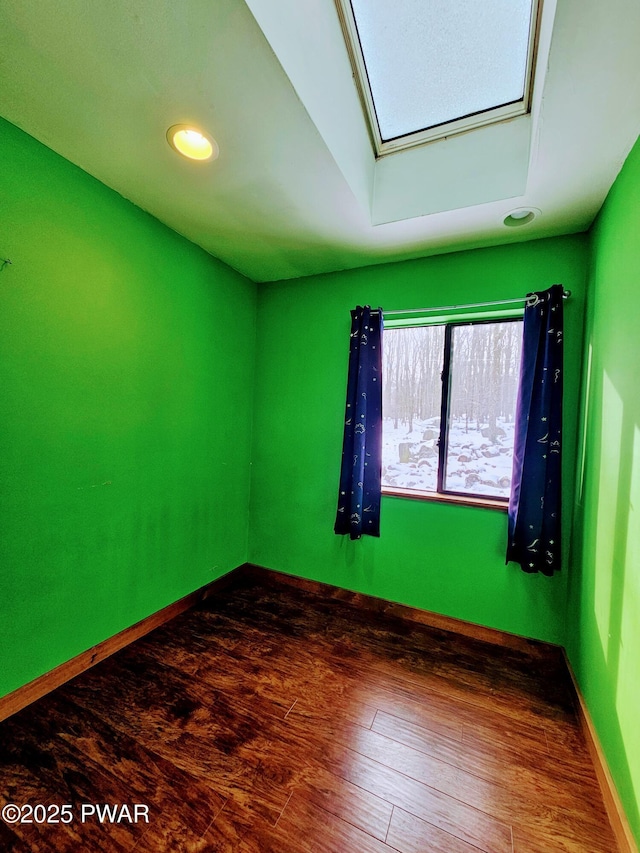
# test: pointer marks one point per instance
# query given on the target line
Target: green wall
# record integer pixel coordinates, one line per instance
(604, 597)
(441, 557)
(126, 363)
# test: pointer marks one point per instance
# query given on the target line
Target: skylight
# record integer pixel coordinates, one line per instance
(429, 68)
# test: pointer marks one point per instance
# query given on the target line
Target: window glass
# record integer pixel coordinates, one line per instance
(433, 62)
(478, 364)
(412, 397)
(485, 365)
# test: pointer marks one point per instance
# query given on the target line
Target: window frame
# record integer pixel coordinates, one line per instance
(462, 124)
(441, 494)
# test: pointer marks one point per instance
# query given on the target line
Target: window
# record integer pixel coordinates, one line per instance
(449, 399)
(430, 69)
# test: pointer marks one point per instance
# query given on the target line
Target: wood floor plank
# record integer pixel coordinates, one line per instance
(417, 737)
(447, 813)
(325, 710)
(529, 840)
(39, 768)
(426, 712)
(9, 840)
(536, 776)
(168, 833)
(515, 761)
(237, 829)
(446, 778)
(527, 681)
(247, 678)
(148, 778)
(208, 754)
(410, 834)
(348, 802)
(311, 829)
(447, 715)
(540, 804)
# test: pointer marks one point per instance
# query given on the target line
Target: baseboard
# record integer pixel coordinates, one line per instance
(402, 611)
(34, 690)
(28, 693)
(615, 810)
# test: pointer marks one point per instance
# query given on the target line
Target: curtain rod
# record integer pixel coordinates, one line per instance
(565, 295)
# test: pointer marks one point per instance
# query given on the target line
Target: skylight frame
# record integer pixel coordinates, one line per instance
(463, 124)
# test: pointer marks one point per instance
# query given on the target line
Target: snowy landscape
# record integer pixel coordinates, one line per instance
(476, 464)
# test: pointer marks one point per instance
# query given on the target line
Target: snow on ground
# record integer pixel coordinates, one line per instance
(475, 464)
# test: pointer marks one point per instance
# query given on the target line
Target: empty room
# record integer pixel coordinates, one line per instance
(320, 426)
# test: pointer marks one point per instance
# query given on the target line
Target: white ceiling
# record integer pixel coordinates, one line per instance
(296, 188)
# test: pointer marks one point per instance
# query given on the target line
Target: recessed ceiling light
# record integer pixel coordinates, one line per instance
(192, 143)
(520, 216)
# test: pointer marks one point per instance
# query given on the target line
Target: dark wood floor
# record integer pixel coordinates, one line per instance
(271, 719)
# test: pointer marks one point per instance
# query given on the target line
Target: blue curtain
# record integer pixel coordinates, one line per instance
(535, 504)
(359, 496)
